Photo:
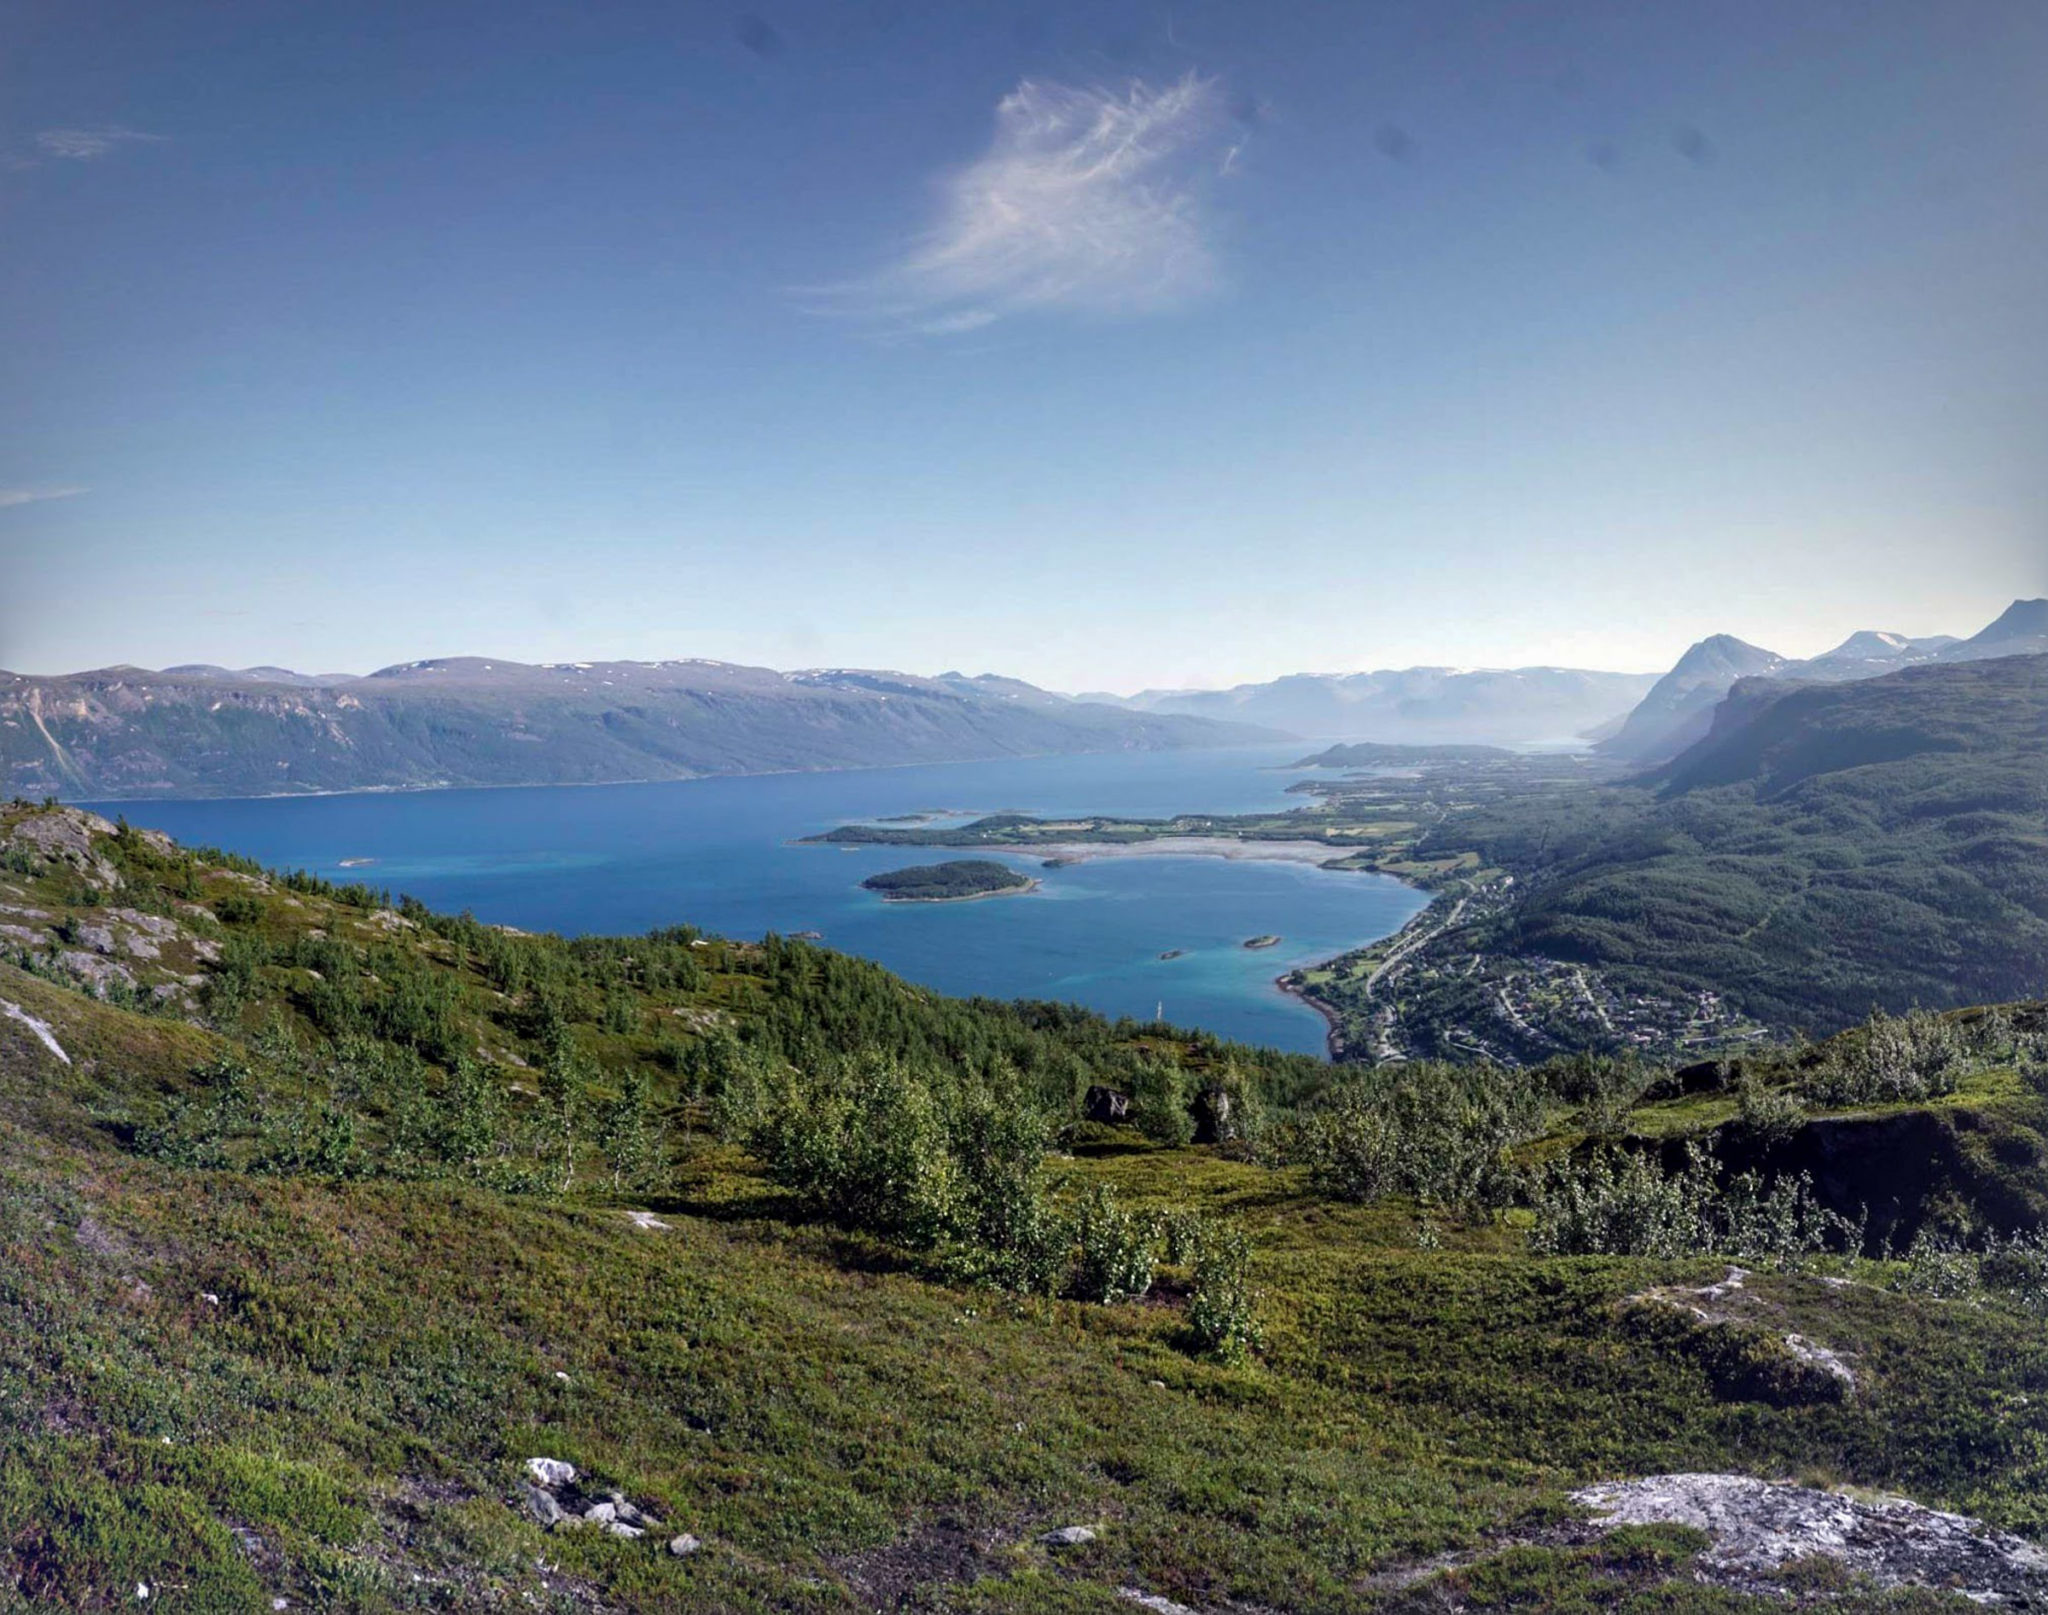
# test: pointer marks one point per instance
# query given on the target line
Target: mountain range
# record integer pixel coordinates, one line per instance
(202, 730)
(1680, 709)
(208, 731)
(1499, 706)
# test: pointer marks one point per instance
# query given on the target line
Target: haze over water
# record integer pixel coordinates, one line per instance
(720, 854)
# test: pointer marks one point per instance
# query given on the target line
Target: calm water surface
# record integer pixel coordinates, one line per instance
(719, 854)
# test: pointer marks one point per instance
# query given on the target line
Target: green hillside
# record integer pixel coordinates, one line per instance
(1826, 849)
(324, 1217)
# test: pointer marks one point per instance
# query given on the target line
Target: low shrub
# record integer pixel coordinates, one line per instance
(1221, 1320)
(1891, 1058)
(1440, 1133)
(1623, 1203)
(1113, 1250)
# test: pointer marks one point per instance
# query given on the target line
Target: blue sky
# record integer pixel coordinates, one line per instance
(1102, 346)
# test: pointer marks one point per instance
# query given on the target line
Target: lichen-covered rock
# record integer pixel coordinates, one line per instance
(1153, 1602)
(94, 970)
(66, 835)
(1068, 1536)
(1757, 1527)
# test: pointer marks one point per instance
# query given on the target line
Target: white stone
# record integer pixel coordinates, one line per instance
(550, 1472)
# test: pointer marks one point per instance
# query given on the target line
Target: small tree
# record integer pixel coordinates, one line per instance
(472, 1117)
(630, 1133)
(1159, 1102)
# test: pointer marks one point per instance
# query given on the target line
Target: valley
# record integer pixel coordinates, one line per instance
(1823, 849)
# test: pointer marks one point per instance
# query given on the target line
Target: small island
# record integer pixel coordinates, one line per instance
(1262, 942)
(953, 882)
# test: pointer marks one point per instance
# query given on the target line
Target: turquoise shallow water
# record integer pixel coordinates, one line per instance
(719, 854)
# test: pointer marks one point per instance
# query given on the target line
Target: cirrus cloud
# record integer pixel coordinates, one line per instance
(84, 145)
(1087, 201)
(35, 496)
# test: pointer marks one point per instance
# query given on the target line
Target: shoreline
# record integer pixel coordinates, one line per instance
(641, 779)
(1331, 1024)
(1025, 890)
(1317, 854)
(1313, 854)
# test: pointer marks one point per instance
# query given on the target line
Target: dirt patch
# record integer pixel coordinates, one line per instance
(920, 1571)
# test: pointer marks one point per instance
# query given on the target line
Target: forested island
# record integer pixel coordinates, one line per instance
(950, 882)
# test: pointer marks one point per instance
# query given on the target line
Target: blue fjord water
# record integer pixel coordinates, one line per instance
(721, 854)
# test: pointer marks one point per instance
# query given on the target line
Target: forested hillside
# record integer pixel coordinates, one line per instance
(1680, 709)
(1824, 850)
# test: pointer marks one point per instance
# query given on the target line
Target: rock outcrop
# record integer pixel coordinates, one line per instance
(1757, 1528)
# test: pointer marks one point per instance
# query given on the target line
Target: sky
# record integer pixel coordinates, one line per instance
(1104, 346)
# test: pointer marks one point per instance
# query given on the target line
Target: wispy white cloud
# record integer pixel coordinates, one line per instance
(35, 496)
(1087, 200)
(84, 145)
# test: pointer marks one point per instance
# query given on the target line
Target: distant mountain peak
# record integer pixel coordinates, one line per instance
(1723, 653)
(1679, 711)
(2023, 619)
(1870, 642)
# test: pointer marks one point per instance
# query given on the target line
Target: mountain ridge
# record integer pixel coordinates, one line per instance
(1679, 710)
(467, 721)
(1434, 704)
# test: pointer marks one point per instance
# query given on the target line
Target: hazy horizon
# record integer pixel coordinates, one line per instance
(970, 669)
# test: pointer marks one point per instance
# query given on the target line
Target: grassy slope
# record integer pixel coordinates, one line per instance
(382, 1356)
(344, 1427)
